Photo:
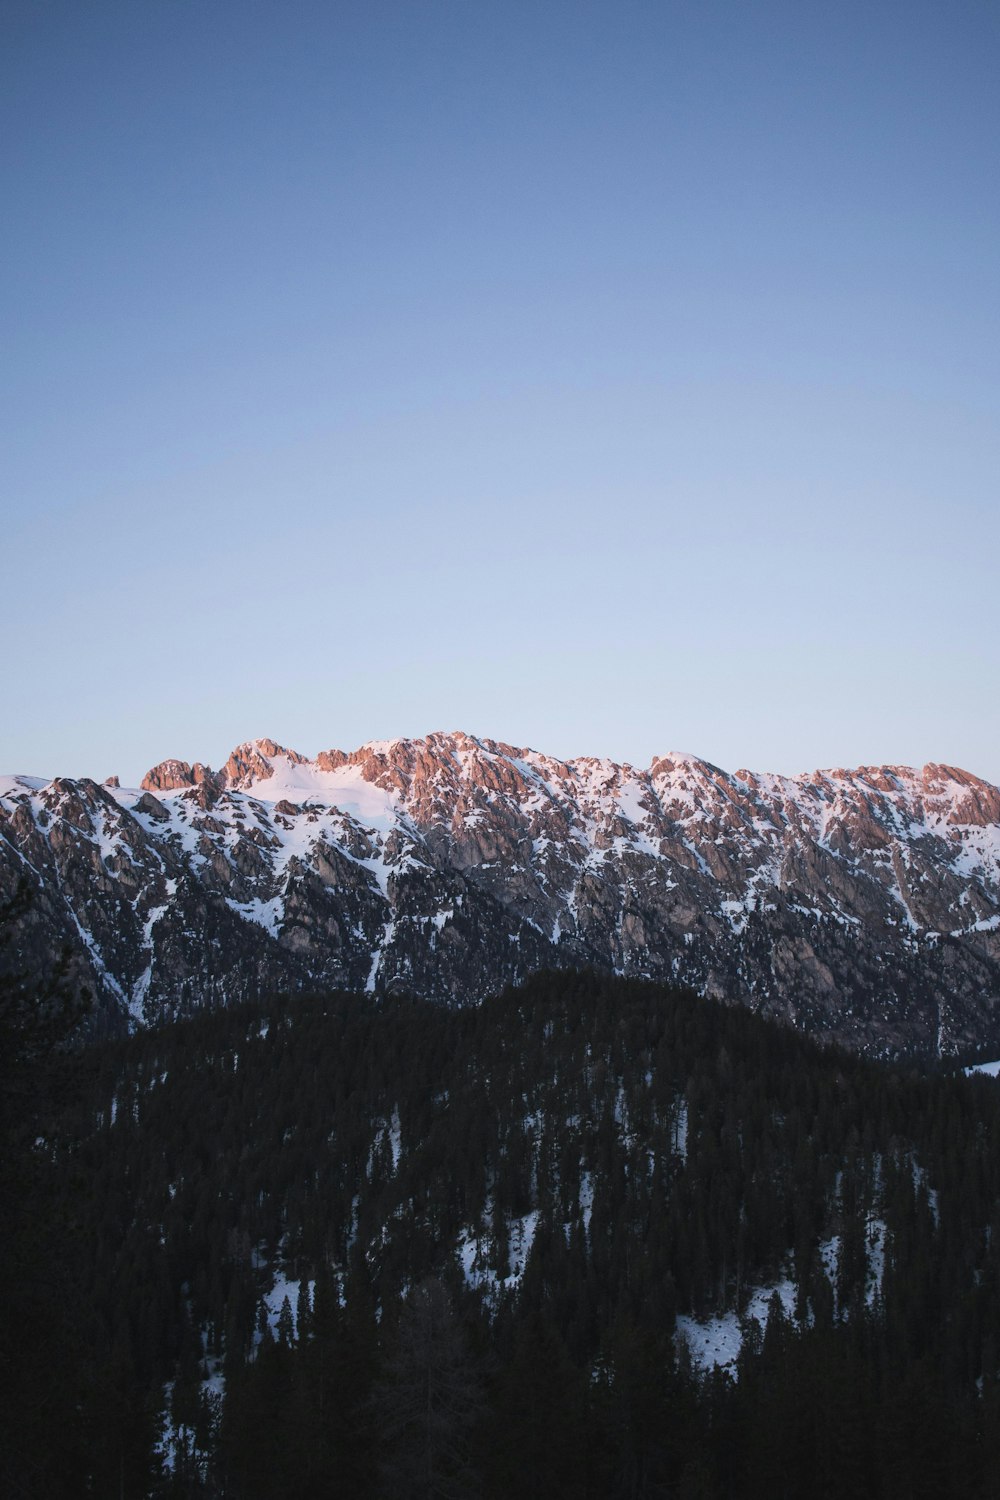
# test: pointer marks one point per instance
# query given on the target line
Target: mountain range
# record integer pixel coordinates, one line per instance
(860, 905)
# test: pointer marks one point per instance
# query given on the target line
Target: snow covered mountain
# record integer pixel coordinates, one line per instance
(863, 905)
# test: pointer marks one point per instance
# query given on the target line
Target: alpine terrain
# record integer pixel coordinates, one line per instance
(862, 905)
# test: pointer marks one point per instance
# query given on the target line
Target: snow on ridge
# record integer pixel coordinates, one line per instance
(382, 747)
(685, 760)
(347, 788)
(12, 785)
(930, 794)
(383, 807)
(128, 796)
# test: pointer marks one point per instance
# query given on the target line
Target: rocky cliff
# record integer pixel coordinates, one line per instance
(862, 904)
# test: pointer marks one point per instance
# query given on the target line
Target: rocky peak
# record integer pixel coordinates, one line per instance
(172, 775)
(253, 761)
(331, 760)
(964, 799)
(681, 763)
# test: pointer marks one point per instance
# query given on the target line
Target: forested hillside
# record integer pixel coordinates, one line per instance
(340, 1246)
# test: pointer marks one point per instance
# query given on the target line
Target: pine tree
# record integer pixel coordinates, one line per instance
(429, 1402)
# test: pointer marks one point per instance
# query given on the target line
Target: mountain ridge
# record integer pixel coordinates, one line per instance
(860, 904)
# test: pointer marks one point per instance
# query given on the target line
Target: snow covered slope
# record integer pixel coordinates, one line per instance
(862, 904)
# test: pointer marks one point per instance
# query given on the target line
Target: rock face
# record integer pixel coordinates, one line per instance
(862, 905)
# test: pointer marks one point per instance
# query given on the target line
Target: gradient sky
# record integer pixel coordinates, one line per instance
(607, 378)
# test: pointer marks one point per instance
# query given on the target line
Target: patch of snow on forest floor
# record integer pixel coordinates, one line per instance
(716, 1343)
(875, 1249)
(274, 1299)
(991, 1069)
(586, 1199)
(178, 1444)
(473, 1250)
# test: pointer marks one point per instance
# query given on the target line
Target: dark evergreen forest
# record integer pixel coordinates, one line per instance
(334, 1246)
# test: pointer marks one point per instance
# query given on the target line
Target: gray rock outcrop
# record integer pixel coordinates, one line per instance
(862, 905)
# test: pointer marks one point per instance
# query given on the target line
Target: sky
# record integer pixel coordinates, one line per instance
(607, 378)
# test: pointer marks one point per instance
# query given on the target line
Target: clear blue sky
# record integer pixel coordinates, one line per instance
(608, 378)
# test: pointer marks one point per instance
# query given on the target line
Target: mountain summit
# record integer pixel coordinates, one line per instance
(860, 904)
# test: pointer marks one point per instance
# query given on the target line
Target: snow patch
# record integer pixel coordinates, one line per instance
(715, 1343)
(273, 1300)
